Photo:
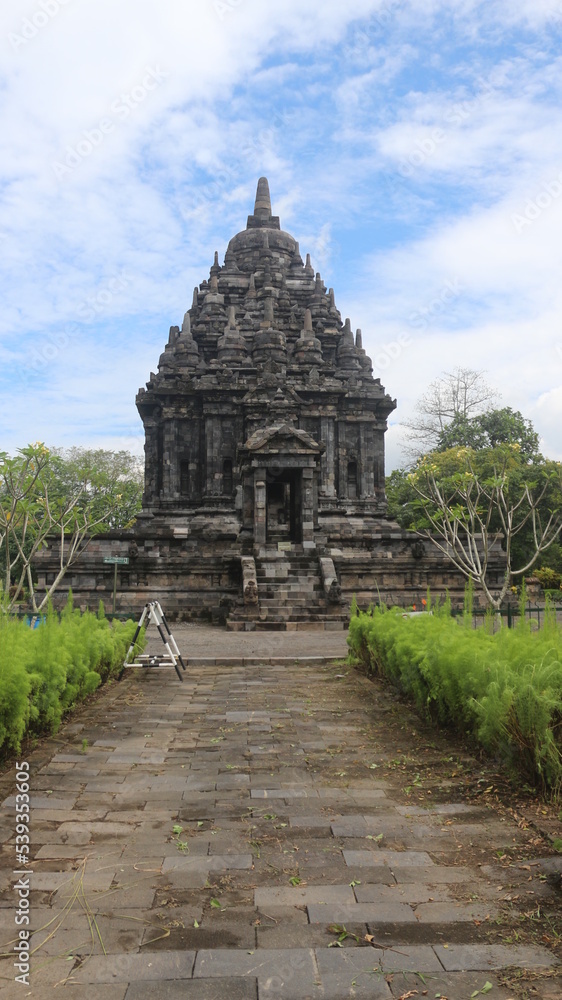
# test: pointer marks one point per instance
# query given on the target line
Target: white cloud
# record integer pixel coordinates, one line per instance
(304, 91)
(547, 410)
(98, 91)
(500, 250)
(501, 313)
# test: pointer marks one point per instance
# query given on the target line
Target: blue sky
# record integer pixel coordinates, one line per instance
(414, 148)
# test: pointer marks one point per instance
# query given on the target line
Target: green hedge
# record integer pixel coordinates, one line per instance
(505, 689)
(46, 670)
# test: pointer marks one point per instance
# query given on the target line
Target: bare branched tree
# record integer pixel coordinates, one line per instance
(69, 496)
(460, 393)
(477, 504)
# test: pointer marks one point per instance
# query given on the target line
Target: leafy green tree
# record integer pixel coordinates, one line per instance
(487, 430)
(109, 482)
(402, 499)
(72, 495)
(554, 558)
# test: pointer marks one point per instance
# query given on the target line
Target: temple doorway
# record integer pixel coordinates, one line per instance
(284, 507)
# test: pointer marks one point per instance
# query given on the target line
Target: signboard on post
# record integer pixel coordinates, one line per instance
(116, 561)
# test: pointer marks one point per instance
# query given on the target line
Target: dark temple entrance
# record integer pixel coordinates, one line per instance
(284, 507)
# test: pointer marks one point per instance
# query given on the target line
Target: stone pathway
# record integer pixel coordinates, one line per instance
(205, 645)
(232, 837)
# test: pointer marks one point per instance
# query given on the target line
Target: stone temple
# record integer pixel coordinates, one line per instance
(264, 502)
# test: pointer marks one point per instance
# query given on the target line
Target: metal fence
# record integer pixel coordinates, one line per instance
(508, 615)
(512, 614)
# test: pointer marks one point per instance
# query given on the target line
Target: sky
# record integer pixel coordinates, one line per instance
(413, 148)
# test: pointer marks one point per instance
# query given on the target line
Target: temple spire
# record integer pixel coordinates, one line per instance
(262, 216)
(216, 268)
(262, 208)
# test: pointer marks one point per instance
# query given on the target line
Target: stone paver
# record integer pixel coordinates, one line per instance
(196, 989)
(296, 896)
(464, 957)
(223, 831)
(341, 913)
(416, 859)
(201, 642)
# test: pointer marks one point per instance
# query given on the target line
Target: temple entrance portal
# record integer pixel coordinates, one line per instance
(284, 507)
(280, 468)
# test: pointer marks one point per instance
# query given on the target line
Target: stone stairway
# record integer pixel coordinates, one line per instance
(291, 594)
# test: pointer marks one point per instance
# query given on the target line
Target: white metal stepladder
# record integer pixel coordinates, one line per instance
(172, 656)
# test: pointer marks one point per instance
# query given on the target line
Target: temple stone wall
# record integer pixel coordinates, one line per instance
(199, 579)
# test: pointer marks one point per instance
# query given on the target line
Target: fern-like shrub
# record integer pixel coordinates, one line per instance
(503, 688)
(46, 670)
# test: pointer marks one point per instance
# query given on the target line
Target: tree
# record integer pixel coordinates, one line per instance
(554, 558)
(487, 430)
(460, 394)
(402, 499)
(71, 494)
(474, 506)
(112, 481)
